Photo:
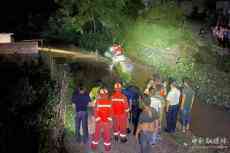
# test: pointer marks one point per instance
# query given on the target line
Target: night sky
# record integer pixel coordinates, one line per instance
(21, 15)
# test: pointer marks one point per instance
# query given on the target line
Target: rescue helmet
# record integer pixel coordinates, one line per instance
(117, 85)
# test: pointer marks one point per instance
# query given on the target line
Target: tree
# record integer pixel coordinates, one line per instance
(92, 24)
(108, 13)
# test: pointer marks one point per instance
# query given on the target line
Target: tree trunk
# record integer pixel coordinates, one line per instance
(94, 25)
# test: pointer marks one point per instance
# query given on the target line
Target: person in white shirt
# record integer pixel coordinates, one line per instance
(156, 102)
(172, 107)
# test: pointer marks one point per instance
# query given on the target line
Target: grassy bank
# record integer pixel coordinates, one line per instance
(162, 39)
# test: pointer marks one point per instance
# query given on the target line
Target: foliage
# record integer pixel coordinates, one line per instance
(96, 41)
(106, 12)
(161, 38)
(69, 117)
(62, 28)
(124, 76)
(51, 113)
(47, 119)
(70, 112)
(30, 102)
(92, 24)
(133, 7)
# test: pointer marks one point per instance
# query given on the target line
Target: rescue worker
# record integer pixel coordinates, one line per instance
(117, 55)
(120, 113)
(117, 50)
(103, 119)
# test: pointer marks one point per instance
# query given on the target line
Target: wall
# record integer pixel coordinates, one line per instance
(5, 37)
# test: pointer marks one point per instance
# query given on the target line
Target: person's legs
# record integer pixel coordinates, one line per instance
(107, 135)
(142, 142)
(96, 135)
(78, 119)
(122, 127)
(189, 119)
(174, 117)
(127, 122)
(169, 120)
(85, 126)
(135, 117)
(153, 138)
(116, 127)
(144, 139)
(185, 118)
(161, 116)
(135, 122)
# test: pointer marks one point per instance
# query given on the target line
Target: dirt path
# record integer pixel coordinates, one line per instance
(210, 121)
(167, 145)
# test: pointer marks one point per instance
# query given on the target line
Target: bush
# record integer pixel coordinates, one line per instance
(124, 76)
(96, 41)
(60, 28)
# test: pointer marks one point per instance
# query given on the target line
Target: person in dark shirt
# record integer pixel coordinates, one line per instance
(81, 99)
(132, 93)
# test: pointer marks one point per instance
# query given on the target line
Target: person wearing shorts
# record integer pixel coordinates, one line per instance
(188, 95)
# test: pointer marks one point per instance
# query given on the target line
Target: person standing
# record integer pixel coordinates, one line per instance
(172, 107)
(147, 126)
(157, 101)
(133, 93)
(94, 95)
(81, 99)
(156, 80)
(188, 95)
(120, 113)
(103, 119)
(95, 90)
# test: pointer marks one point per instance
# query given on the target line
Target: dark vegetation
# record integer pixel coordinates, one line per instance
(25, 18)
(93, 24)
(28, 96)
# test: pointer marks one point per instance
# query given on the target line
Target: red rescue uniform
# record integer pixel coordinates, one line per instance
(117, 49)
(103, 116)
(120, 110)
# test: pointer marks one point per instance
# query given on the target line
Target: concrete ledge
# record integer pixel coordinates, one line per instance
(19, 48)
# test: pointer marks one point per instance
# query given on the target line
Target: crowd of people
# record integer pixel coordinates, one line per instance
(221, 28)
(222, 35)
(128, 110)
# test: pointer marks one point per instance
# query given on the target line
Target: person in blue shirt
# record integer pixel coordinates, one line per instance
(133, 93)
(81, 99)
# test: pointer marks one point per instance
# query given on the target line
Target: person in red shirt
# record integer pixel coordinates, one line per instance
(117, 49)
(120, 113)
(103, 118)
